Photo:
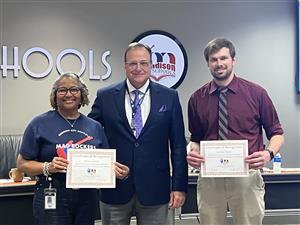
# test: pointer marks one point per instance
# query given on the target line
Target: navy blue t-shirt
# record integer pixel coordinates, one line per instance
(49, 133)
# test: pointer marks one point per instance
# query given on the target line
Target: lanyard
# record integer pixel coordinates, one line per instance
(134, 107)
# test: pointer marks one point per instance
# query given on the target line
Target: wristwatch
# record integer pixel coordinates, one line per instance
(270, 152)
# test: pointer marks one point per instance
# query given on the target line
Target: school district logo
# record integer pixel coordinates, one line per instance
(168, 57)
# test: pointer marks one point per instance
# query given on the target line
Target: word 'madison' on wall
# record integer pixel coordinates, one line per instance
(169, 57)
(15, 67)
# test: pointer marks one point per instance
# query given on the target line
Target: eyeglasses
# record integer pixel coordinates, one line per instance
(134, 65)
(64, 91)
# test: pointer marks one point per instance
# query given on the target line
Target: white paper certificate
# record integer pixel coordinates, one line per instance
(224, 158)
(91, 168)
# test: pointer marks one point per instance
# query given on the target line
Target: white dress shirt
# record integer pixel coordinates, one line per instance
(145, 106)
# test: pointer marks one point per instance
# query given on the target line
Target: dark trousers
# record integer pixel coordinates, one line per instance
(73, 207)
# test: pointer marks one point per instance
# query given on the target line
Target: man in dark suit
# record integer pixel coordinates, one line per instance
(146, 147)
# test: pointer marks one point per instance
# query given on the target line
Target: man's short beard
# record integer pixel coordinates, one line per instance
(222, 78)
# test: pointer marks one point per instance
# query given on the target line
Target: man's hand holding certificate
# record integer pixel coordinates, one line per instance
(224, 158)
(91, 168)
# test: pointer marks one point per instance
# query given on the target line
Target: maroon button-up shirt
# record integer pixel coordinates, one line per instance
(249, 110)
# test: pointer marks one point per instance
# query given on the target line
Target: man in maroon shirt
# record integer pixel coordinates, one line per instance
(250, 110)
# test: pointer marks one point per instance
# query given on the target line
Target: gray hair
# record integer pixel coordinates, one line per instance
(135, 45)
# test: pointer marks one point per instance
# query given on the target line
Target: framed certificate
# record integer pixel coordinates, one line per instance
(91, 168)
(224, 158)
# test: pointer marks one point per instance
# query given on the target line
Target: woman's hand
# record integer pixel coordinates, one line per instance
(58, 165)
(122, 171)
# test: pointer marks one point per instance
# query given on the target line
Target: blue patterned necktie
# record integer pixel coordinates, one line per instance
(223, 115)
(137, 114)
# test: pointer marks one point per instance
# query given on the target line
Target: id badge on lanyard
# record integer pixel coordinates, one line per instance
(50, 196)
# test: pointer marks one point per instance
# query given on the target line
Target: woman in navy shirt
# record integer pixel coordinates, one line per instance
(43, 154)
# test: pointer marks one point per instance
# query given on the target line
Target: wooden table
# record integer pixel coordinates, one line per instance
(11, 188)
(16, 203)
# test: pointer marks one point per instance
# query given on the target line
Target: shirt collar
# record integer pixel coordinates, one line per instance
(233, 85)
(143, 89)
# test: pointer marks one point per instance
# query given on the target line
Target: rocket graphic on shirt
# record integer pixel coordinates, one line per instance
(62, 152)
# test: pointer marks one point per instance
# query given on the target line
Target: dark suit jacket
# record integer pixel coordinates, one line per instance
(148, 157)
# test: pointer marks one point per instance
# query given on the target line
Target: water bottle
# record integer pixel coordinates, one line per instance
(277, 163)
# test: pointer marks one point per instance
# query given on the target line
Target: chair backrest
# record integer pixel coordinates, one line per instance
(9, 150)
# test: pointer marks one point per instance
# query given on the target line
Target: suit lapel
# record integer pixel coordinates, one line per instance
(154, 96)
(119, 99)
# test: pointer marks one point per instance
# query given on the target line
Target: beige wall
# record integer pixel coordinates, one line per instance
(264, 33)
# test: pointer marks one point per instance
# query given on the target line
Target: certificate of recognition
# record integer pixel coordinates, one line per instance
(91, 168)
(224, 158)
